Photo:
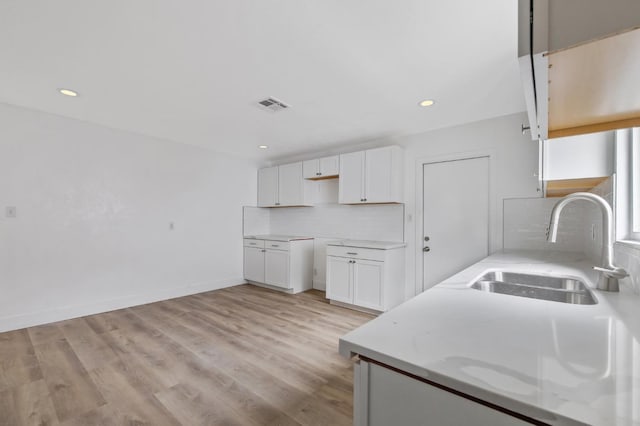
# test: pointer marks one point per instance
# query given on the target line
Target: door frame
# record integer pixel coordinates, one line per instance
(494, 208)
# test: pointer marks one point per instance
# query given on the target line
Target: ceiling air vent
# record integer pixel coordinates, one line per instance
(272, 104)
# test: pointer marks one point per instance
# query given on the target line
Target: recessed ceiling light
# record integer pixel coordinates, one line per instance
(427, 102)
(68, 92)
(263, 146)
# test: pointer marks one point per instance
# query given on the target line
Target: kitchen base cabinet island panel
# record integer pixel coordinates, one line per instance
(384, 396)
(457, 350)
(279, 262)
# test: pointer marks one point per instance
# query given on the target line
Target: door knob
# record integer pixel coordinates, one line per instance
(427, 248)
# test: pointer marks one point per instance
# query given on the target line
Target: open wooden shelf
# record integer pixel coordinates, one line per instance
(561, 188)
(594, 86)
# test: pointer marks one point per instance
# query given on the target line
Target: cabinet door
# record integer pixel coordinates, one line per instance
(329, 166)
(368, 284)
(395, 399)
(290, 185)
(339, 279)
(351, 182)
(276, 268)
(267, 187)
(378, 175)
(254, 264)
(310, 169)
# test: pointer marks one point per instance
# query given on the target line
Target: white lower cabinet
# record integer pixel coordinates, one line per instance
(365, 278)
(367, 284)
(254, 264)
(285, 265)
(340, 275)
(384, 397)
(276, 268)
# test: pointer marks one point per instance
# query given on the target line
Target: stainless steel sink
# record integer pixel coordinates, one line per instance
(545, 287)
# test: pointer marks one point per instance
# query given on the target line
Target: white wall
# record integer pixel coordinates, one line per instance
(94, 207)
(513, 169)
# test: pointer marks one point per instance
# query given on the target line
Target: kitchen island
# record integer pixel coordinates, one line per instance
(456, 351)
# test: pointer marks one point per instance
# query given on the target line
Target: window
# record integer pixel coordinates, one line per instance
(628, 184)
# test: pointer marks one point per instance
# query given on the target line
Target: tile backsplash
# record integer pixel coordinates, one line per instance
(384, 222)
(526, 221)
(580, 229)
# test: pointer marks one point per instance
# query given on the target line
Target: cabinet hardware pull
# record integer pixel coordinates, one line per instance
(263, 251)
(275, 245)
(350, 252)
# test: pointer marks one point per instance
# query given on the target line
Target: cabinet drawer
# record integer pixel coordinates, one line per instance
(356, 252)
(276, 245)
(250, 242)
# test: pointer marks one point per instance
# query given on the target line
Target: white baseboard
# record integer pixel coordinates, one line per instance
(320, 285)
(16, 322)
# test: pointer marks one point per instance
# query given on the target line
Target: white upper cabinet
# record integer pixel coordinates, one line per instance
(351, 183)
(329, 166)
(292, 188)
(284, 186)
(322, 168)
(268, 187)
(371, 176)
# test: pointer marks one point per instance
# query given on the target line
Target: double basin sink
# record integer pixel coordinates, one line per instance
(544, 287)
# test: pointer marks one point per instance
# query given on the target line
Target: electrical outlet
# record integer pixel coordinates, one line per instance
(10, 212)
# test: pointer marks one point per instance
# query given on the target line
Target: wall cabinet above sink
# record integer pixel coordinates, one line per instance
(579, 64)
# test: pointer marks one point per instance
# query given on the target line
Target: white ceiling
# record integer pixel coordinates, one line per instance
(192, 70)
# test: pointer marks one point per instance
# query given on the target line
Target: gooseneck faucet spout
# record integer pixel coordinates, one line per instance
(609, 273)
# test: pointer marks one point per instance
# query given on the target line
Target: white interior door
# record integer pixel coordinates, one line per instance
(455, 217)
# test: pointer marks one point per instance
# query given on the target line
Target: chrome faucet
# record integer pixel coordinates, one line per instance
(609, 273)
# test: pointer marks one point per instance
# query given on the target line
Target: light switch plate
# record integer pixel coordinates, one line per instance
(10, 211)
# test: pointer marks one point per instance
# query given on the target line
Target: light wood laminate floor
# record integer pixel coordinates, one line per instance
(238, 356)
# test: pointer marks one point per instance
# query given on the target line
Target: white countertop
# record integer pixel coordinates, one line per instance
(277, 237)
(558, 363)
(378, 245)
